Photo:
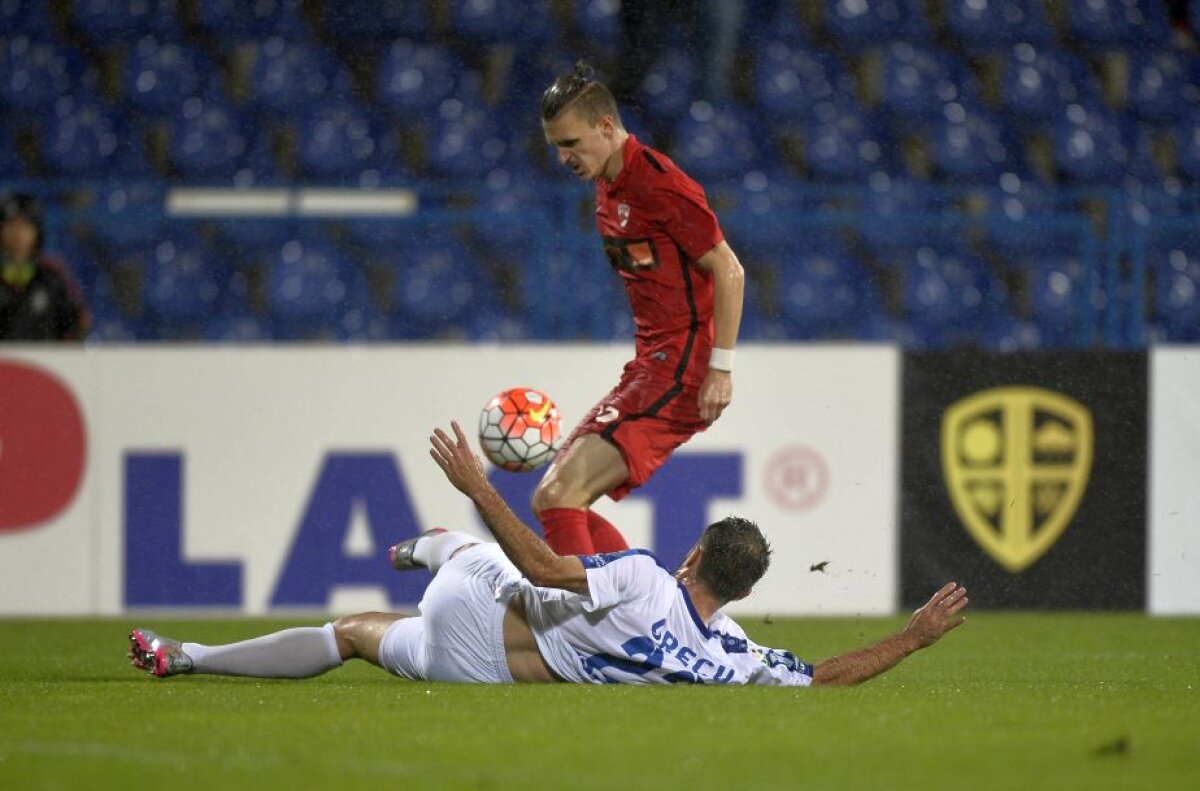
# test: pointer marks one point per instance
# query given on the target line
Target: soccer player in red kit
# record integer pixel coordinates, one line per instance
(685, 288)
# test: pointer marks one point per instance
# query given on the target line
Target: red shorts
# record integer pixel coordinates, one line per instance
(645, 417)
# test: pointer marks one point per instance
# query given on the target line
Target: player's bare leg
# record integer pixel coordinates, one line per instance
(359, 635)
(589, 468)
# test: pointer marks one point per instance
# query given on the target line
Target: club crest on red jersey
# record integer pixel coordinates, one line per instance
(622, 215)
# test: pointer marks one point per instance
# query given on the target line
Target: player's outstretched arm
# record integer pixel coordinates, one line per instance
(926, 626)
(532, 556)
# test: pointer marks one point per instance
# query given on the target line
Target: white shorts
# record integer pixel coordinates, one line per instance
(459, 635)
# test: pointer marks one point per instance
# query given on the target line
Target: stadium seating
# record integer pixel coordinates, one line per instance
(109, 21)
(159, 75)
(844, 143)
(289, 75)
(1174, 264)
(1039, 82)
(972, 145)
(718, 142)
(858, 24)
(208, 140)
(790, 81)
(997, 24)
(375, 21)
(436, 285)
(28, 17)
(980, 129)
(34, 73)
(1118, 23)
(183, 283)
(414, 78)
(307, 284)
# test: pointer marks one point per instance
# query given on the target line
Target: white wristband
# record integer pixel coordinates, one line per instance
(721, 359)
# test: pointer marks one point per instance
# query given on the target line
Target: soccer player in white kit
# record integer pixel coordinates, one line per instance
(515, 611)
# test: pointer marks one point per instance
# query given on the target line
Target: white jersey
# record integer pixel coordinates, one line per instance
(637, 625)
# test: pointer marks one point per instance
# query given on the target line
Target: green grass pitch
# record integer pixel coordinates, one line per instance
(1009, 701)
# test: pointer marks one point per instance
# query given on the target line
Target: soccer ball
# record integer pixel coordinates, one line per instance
(519, 429)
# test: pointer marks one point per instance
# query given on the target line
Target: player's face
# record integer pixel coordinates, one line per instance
(584, 148)
(18, 236)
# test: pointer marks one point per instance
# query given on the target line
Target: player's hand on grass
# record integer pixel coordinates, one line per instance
(715, 394)
(460, 464)
(938, 616)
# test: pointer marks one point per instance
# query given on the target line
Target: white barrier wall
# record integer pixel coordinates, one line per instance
(1174, 541)
(263, 479)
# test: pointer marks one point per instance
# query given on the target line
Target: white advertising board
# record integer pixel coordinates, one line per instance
(1173, 556)
(265, 479)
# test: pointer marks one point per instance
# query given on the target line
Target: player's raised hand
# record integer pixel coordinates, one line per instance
(459, 463)
(715, 394)
(938, 616)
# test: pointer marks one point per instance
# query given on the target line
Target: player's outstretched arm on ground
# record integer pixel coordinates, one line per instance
(532, 556)
(926, 626)
(716, 392)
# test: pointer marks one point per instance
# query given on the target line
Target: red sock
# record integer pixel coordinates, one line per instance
(605, 537)
(566, 531)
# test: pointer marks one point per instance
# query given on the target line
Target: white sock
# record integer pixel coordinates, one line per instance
(293, 653)
(433, 551)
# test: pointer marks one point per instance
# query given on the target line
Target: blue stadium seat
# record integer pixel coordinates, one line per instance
(436, 289)
(599, 23)
(306, 285)
(1057, 299)
(1174, 260)
(1156, 84)
(1021, 221)
(237, 328)
(789, 81)
(183, 282)
(337, 139)
(34, 73)
(160, 75)
(899, 215)
(950, 297)
(669, 85)
(824, 295)
(464, 141)
(921, 82)
(208, 140)
(1119, 23)
(1186, 134)
(843, 143)
(250, 241)
(993, 24)
(1090, 146)
(858, 24)
(236, 21)
(1039, 82)
(375, 21)
(718, 142)
(80, 137)
(108, 21)
(28, 17)
(11, 166)
(972, 145)
(417, 77)
(509, 21)
(290, 75)
(121, 222)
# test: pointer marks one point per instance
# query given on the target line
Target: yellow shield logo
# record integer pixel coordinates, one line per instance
(1016, 461)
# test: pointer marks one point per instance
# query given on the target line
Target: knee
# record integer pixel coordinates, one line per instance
(348, 631)
(552, 493)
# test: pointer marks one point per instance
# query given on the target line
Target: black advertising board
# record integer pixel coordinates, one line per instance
(1024, 478)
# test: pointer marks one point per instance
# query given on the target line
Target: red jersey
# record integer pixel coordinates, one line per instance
(655, 223)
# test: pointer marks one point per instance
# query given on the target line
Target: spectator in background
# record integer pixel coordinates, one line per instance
(39, 301)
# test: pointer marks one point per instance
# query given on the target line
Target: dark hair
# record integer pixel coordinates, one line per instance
(580, 92)
(27, 207)
(736, 556)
